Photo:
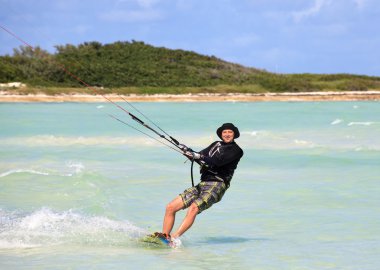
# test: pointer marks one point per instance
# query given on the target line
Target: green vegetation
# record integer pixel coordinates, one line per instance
(135, 67)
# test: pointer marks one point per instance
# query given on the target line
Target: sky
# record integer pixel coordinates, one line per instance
(282, 36)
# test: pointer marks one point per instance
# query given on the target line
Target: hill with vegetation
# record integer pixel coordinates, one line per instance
(136, 67)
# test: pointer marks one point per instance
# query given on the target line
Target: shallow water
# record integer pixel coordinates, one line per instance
(78, 189)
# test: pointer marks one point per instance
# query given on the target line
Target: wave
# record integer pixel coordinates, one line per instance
(361, 123)
(77, 166)
(51, 140)
(22, 171)
(45, 227)
(74, 168)
(64, 141)
(366, 123)
(328, 139)
(336, 122)
(337, 138)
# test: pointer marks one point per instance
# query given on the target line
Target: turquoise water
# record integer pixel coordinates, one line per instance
(78, 189)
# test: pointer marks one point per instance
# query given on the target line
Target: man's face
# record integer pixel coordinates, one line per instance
(228, 135)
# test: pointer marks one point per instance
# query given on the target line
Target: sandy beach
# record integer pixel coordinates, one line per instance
(301, 96)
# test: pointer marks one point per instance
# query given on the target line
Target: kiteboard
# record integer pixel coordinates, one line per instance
(158, 240)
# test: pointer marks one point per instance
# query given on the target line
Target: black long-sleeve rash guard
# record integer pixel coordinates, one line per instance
(222, 159)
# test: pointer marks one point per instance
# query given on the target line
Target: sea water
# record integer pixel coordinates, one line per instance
(78, 188)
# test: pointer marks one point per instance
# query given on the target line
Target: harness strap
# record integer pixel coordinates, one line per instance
(191, 171)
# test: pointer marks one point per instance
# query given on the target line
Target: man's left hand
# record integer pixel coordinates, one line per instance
(192, 155)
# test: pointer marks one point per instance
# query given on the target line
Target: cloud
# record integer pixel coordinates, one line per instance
(132, 15)
(315, 9)
(147, 3)
(360, 3)
(140, 3)
(184, 4)
(246, 40)
(81, 29)
(133, 11)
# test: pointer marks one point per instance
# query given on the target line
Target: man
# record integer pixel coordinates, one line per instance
(219, 161)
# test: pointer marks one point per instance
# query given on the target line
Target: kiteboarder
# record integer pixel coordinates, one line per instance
(218, 163)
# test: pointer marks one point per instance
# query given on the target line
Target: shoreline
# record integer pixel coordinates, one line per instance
(231, 97)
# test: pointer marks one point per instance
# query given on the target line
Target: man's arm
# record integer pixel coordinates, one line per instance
(227, 155)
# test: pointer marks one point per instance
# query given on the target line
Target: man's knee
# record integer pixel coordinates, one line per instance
(193, 209)
(170, 208)
(174, 206)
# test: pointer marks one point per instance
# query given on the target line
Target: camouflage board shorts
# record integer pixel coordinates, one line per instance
(204, 195)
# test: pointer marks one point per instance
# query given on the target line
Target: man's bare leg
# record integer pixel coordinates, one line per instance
(171, 209)
(188, 221)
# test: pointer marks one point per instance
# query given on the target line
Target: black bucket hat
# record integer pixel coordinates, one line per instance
(228, 126)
